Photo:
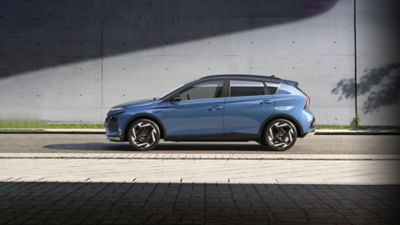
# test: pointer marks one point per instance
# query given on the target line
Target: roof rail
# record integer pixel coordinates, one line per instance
(241, 75)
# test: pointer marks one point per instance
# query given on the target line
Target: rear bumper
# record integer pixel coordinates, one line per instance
(309, 127)
(310, 132)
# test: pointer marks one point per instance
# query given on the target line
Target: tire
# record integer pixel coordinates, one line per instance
(279, 135)
(143, 135)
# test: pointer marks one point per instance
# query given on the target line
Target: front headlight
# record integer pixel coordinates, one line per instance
(116, 109)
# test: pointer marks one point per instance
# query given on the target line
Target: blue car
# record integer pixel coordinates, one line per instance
(272, 111)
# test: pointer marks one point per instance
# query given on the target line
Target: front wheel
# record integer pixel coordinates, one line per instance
(279, 135)
(144, 135)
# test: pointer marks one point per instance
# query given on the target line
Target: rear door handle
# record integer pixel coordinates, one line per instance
(267, 101)
(214, 108)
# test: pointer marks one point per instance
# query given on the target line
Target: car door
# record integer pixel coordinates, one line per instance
(198, 113)
(249, 103)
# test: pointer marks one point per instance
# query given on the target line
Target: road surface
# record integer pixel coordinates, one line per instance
(81, 143)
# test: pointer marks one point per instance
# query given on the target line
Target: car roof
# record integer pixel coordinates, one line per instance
(271, 78)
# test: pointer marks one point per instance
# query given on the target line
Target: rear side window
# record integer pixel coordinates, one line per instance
(246, 88)
(271, 88)
(251, 88)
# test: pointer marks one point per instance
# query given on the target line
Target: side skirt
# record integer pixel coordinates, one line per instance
(215, 137)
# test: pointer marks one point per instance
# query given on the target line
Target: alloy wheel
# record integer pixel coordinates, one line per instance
(144, 135)
(280, 135)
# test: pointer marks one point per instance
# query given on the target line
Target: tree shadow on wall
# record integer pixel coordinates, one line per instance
(379, 85)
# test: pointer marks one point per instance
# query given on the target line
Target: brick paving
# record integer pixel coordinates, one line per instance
(183, 203)
(76, 188)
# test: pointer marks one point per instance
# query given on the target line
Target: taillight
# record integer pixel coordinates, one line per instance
(307, 104)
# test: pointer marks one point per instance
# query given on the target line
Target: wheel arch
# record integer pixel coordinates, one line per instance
(142, 116)
(299, 129)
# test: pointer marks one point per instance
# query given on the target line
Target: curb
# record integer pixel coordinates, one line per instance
(194, 156)
(101, 131)
(356, 132)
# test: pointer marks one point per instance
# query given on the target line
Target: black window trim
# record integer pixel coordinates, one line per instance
(226, 92)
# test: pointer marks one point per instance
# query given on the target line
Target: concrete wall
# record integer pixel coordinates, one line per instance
(72, 60)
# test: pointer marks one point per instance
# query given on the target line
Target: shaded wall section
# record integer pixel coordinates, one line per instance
(378, 61)
(71, 60)
(378, 64)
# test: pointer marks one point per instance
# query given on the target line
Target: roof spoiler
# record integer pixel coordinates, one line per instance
(291, 82)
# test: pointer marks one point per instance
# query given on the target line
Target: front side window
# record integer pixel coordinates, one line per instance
(209, 89)
(246, 88)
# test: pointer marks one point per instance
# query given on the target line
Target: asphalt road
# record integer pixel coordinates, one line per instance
(318, 144)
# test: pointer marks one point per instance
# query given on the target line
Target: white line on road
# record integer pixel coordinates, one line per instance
(193, 156)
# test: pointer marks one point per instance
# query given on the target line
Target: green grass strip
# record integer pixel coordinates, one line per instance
(42, 124)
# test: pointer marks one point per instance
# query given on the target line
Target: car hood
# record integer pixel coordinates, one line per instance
(143, 102)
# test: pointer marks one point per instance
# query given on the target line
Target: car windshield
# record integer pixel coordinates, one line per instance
(169, 92)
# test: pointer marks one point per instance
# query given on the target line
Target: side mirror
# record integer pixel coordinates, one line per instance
(176, 98)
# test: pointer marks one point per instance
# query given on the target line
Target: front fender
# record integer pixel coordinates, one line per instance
(129, 119)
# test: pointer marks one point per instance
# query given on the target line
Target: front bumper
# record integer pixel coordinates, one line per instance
(113, 133)
(116, 139)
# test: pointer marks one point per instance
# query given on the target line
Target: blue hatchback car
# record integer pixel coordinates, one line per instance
(272, 111)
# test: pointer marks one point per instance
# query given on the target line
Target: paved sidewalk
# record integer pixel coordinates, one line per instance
(146, 188)
(200, 168)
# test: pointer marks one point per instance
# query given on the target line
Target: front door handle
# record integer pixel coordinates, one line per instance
(215, 108)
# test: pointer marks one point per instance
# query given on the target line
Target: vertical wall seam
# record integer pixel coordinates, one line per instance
(355, 65)
(102, 58)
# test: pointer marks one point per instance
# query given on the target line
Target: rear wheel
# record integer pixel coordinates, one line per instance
(144, 135)
(279, 135)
